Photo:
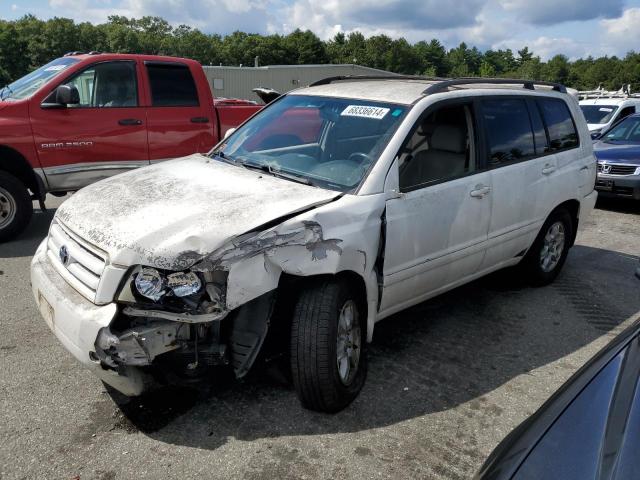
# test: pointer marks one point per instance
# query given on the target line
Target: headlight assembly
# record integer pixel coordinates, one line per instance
(184, 284)
(150, 283)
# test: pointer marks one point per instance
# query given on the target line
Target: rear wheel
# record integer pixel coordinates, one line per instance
(328, 358)
(16, 207)
(549, 251)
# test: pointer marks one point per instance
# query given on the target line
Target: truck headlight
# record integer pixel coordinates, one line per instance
(150, 283)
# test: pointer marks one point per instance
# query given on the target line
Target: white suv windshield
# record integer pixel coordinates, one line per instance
(328, 142)
(598, 113)
(30, 83)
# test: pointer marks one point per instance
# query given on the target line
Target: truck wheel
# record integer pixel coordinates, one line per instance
(547, 255)
(328, 357)
(16, 207)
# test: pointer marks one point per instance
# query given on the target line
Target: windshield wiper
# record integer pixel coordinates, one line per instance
(226, 158)
(278, 173)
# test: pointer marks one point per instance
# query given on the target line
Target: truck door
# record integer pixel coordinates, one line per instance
(180, 122)
(103, 135)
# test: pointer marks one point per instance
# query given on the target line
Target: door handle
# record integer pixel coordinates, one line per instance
(130, 121)
(480, 191)
(199, 120)
(548, 168)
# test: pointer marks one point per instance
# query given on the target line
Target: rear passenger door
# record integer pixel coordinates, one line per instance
(178, 120)
(521, 151)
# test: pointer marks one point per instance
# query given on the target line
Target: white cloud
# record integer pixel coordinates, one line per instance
(550, 12)
(14, 7)
(622, 34)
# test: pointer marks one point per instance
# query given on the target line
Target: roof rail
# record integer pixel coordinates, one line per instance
(338, 78)
(71, 54)
(528, 84)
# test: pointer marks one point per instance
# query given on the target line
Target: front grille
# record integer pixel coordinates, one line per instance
(80, 264)
(617, 169)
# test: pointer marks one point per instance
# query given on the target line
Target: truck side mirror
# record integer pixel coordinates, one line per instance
(62, 96)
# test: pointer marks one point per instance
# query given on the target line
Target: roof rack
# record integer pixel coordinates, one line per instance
(600, 92)
(71, 54)
(528, 84)
(441, 84)
(338, 78)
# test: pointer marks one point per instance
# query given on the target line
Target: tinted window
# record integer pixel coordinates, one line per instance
(107, 85)
(598, 113)
(508, 130)
(539, 133)
(562, 131)
(172, 86)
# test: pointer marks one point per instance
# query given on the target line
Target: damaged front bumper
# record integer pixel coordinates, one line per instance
(130, 348)
(76, 323)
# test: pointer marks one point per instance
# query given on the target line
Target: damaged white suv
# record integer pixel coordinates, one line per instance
(334, 207)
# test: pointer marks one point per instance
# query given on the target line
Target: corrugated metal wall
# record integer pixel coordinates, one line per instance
(237, 82)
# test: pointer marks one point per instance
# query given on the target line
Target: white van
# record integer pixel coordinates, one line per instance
(336, 206)
(603, 109)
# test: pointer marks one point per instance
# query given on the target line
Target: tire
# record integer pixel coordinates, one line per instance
(319, 382)
(541, 264)
(16, 207)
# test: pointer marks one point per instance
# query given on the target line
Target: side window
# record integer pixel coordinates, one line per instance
(626, 111)
(172, 85)
(562, 130)
(440, 148)
(508, 130)
(107, 85)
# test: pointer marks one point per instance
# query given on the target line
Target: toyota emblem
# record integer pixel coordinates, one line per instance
(63, 253)
(606, 168)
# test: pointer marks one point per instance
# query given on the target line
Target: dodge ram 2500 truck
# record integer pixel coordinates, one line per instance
(84, 117)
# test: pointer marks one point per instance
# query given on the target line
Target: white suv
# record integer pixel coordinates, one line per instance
(334, 207)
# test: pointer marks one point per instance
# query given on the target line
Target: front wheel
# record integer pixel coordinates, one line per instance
(549, 251)
(16, 207)
(328, 358)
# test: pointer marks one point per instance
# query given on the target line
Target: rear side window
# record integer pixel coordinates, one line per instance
(172, 86)
(560, 126)
(508, 130)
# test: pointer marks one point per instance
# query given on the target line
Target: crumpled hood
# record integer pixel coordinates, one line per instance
(171, 214)
(628, 153)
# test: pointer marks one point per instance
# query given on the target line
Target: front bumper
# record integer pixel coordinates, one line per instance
(75, 321)
(624, 186)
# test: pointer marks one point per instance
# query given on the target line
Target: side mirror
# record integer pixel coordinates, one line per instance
(228, 133)
(62, 96)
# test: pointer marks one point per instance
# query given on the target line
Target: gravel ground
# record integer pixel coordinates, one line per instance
(448, 380)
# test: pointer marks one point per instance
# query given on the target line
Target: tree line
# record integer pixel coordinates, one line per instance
(29, 42)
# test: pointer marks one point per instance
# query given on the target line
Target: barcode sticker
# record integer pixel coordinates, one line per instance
(365, 111)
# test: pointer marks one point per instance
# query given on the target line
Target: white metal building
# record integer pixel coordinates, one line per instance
(237, 82)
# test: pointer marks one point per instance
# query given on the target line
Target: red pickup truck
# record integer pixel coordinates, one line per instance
(84, 117)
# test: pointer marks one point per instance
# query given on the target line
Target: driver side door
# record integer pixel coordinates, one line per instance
(438, 211)
(103, 135)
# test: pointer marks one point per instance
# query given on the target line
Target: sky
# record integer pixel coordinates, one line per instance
(575, 28)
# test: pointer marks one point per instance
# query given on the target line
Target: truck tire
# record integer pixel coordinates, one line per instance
(16, 207)
(549, 251)
(328, 356)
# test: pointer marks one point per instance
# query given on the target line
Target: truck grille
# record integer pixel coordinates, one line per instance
(80, 264)
(616, 169)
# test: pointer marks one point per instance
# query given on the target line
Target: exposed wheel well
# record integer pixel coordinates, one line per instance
(14, 163)
(573, 207)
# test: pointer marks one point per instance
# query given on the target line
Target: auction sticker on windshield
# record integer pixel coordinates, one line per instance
(364, 111)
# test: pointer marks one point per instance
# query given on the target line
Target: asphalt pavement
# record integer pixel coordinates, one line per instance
(447, 381)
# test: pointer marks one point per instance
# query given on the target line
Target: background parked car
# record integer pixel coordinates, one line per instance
(618, 155)
(85, 117)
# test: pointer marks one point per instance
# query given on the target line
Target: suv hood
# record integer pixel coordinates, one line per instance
(627, 153)
(171, 214)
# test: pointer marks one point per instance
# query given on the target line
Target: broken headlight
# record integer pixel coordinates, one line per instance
(152, 284)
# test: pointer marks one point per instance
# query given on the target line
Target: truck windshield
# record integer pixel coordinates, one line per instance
(30, 83)
(322, 141)
(598, 113)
